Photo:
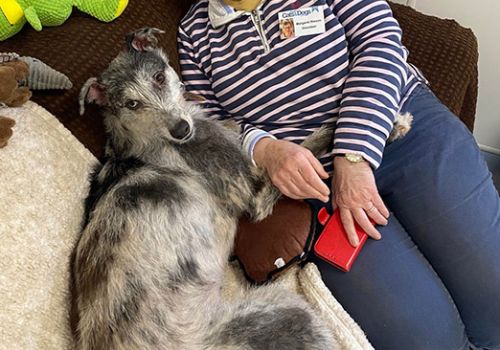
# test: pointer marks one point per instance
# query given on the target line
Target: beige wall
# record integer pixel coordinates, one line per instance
(483, 17)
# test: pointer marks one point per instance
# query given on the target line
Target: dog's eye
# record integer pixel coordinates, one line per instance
(132, 104)
(159, 77)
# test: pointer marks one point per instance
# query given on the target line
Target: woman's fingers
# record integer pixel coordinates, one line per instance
(308, 192)
(306, 181)
(348, 223)
(317, 166)
(373, 212)
(290, 190)
(303, 190)
(380, 205)
(349, 217)
(310, 182)
(297, 189)
(365, 224)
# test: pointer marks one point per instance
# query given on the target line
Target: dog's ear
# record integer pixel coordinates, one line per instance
(92, 92)
(143, 39)
(189, 96)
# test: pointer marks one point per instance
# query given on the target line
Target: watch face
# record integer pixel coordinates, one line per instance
(354, 158)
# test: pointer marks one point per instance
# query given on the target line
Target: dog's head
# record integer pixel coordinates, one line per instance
(142, 93)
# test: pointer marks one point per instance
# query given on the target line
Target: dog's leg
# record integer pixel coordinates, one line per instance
(270, 318)
(264, 199)
(319, 141)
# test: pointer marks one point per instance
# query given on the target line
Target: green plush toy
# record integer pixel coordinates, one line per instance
(50, 13)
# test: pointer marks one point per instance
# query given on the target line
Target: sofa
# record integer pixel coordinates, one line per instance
(44, 168)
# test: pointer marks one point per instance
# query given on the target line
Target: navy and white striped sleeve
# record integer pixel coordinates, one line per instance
(372, 92)
(196, 81)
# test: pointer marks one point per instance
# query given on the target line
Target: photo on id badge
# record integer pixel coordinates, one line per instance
(287, 28)
(301, 22)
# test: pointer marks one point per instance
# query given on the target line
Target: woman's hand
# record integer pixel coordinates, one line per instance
(293, 169)
(356, 195)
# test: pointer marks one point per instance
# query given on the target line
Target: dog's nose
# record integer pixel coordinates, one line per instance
(181, 130)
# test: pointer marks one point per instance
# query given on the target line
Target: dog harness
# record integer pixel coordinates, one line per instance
(290, 66)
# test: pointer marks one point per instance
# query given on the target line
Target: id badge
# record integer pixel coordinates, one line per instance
(301, 22)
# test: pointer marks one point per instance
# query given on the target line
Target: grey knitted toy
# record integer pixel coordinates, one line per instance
(41, 76)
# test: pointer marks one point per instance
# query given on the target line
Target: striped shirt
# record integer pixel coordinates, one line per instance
(355, 74)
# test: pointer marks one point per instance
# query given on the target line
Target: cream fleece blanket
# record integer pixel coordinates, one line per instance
(44, 180)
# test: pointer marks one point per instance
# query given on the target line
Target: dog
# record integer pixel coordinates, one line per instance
(160, 222)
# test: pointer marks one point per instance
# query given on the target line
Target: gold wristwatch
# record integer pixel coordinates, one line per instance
(354, 158)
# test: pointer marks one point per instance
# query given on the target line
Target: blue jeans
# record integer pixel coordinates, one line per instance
(433, 281)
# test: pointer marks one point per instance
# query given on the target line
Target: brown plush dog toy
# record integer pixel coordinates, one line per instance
(6, 125)
(12, 75)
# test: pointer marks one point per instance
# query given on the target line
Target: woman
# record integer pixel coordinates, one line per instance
(433, 281)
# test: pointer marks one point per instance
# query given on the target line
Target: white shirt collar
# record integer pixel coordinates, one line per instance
(219, 13)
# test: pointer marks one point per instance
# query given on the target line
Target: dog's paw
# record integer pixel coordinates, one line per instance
(402, 126)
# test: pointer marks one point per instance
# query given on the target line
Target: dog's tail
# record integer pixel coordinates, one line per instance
(267, 194)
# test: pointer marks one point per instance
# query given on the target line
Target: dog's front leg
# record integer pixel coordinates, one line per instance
(264, 198)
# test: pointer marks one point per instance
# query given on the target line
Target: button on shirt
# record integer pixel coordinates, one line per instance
(354, 74)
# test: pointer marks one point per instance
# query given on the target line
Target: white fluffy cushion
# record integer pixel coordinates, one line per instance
(44, 180)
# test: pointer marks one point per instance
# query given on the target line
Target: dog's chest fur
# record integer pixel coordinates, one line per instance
(215, 153)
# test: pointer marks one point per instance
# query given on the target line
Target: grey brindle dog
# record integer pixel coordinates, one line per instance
(162, 214)
(161, 217)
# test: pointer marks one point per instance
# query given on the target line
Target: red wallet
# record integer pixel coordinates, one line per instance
(333, 245)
